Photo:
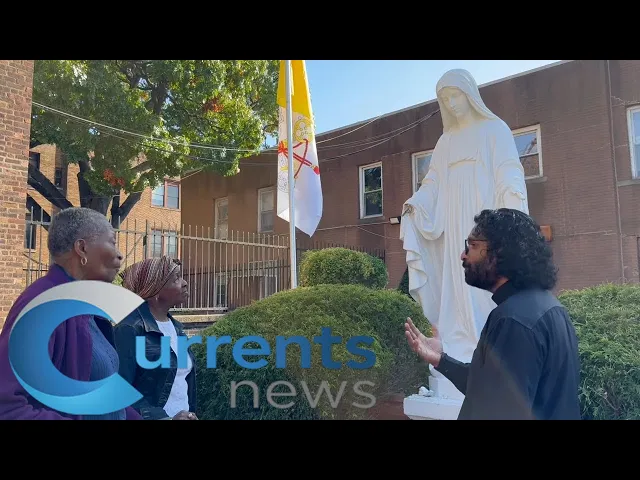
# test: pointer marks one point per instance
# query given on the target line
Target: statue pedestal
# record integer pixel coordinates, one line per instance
(443, 404)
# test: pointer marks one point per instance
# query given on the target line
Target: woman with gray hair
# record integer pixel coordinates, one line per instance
(82, 246)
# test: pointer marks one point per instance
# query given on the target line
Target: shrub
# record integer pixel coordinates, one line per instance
(606, 319)
(349, 310)
(342, 266)
(404, 284)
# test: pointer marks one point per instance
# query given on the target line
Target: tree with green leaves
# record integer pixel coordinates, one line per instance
(151, 119)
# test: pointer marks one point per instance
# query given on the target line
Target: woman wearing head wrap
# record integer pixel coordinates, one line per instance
(169, 392)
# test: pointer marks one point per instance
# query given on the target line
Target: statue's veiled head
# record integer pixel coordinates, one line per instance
(459, 97)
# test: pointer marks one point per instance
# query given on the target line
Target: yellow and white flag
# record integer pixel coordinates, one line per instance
(307, 190)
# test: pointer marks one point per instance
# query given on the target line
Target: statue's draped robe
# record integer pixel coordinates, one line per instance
(471, 169)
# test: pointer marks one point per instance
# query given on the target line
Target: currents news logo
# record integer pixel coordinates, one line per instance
(32, 366)
(29, 347)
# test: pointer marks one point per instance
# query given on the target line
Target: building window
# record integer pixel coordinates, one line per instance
(529, 149)
(156, 243)
(221, 229)
(166, 195)
(633, 116)
(157, 196)
(221, 291)
(266, 209)
(164, 243)
(173, 195)
(59, 177)
(29, 233)
(34, 160)
(371, 190)
(420, 165)
(172, 244)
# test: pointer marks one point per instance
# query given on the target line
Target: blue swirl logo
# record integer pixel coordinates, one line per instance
(29, 348)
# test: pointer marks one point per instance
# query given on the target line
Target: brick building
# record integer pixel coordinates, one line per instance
(156, 214)
(16, 83)
(576, 124)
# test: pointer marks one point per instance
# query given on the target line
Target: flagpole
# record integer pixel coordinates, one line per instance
(292, 216)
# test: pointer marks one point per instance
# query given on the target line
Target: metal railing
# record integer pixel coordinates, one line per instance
(224, 270)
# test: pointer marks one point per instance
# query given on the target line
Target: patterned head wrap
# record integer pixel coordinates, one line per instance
(148, 277)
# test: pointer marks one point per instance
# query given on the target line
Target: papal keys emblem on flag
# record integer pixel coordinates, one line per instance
(306, 171)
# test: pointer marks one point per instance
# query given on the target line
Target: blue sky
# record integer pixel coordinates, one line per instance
(348, 91)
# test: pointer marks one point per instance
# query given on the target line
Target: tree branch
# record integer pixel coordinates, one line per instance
(87, 199)
(141, 167)
(115, 214)
(128, 205)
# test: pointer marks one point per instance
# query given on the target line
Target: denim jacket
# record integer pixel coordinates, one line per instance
(155, 384)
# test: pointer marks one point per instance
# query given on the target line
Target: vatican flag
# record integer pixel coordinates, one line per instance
(307, 190)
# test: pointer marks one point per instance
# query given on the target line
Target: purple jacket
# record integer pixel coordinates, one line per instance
(70, 350)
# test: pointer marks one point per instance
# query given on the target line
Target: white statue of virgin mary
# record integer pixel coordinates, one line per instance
(475, 165)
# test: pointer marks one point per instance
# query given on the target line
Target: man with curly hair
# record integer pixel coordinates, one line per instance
(526, 363)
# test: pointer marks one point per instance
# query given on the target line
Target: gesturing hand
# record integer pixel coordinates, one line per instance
(428, 348)
(183, 415)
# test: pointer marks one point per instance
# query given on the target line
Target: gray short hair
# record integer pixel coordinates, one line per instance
(72, 224)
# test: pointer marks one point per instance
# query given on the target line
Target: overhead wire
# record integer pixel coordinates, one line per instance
(354, 143)
(369, 140)
(397, 132)
(191, 145)
(350, 131)
(135, 134)
(426, 117)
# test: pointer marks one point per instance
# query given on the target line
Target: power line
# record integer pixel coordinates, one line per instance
(372, 139)
(397, 132)
(95, 124)
(269, 164)
(146, 137)
(382, 141)
(191, 145)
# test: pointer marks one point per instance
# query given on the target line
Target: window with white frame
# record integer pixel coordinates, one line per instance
(421, 162)
(167, 195)
(221, 229)
(164, 243)
(156, 243)
(633, 118)
(266, 209)
(171, 246)
(371, 190)
(528, 145)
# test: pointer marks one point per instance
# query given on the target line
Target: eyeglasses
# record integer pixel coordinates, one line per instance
(467, 240)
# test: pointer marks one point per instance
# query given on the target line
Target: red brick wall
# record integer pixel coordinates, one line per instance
(142, 215)
(16, 79)
(577, 195)
(625, 93)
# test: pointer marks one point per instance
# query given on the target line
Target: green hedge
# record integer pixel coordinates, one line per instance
(349, 310)
(607, 324)
(342, 266)
(404, 284)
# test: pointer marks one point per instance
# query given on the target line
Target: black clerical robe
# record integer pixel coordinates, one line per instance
(526, 364)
